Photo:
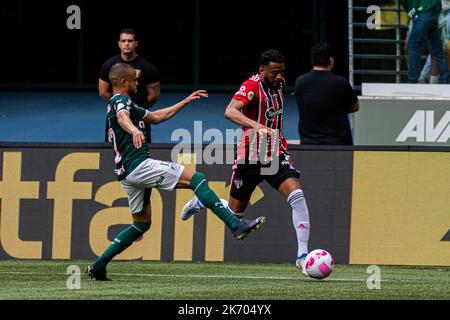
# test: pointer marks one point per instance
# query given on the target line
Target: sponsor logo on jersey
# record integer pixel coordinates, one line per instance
(242, 92)
(272, 113)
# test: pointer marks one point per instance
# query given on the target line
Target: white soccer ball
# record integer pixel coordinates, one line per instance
(319, 264)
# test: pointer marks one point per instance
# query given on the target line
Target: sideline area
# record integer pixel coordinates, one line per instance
(80, 116)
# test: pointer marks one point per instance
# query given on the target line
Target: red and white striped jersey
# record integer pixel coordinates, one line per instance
(264, 105)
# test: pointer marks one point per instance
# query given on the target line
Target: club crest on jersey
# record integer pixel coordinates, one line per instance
(120, 171)
(272, 113)
(287, 163)
(138, 73)
(238, 183)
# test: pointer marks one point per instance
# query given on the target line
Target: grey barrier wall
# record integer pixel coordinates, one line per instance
(402, 121)
(61, 201)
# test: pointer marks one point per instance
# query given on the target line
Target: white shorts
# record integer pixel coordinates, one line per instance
(150, 174)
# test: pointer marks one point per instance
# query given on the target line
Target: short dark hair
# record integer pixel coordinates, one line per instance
(117, 71)
(269, 56)
(128, 31)
(321, 54)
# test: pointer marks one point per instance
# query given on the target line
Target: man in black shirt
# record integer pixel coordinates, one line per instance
(324, 101)
(148, 91)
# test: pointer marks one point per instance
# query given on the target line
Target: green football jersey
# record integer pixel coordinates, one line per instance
(415, 7)
(126, 156)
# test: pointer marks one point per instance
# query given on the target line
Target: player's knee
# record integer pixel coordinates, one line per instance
(295, 197)
(200, 176)
(147, 226)
(142, 226)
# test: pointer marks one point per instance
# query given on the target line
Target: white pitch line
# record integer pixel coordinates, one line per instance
(229, 277)
(149, 275)
(200, 276)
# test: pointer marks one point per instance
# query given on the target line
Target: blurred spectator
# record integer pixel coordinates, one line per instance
(430, 72)
(148, 78)
(425, 17)
(446, 14)
(324, 101)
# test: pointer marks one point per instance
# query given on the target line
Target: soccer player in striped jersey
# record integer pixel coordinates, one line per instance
(138, 173)
(258, 108)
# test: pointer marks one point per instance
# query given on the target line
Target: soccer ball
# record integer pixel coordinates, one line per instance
(319, 264)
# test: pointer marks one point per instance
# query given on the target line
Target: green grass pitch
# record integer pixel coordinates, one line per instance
(217, 281)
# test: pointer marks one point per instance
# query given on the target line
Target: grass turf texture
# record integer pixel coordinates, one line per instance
(217, 281)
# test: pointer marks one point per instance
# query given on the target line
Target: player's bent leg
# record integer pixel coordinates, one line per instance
(145, 216)
(291, 190)
(239, 228)
(194, 205)
(185, 179)
(209, 199)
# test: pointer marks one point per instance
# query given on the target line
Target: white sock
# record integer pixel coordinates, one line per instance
(225, 204)
(434, 79)
(300, 219)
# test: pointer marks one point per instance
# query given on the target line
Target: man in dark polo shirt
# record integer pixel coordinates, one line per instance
(324, 101)
(148, 91)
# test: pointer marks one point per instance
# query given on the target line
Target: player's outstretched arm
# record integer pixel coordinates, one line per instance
(162, 115)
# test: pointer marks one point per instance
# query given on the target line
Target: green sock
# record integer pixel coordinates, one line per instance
(210, 200)
(122, 241)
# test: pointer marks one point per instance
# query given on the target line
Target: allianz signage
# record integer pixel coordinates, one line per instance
(402, 122)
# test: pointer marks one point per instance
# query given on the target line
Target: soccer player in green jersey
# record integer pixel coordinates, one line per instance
(137, 172)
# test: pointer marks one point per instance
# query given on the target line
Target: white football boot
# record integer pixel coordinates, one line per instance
(300, 263)
(191, 208)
